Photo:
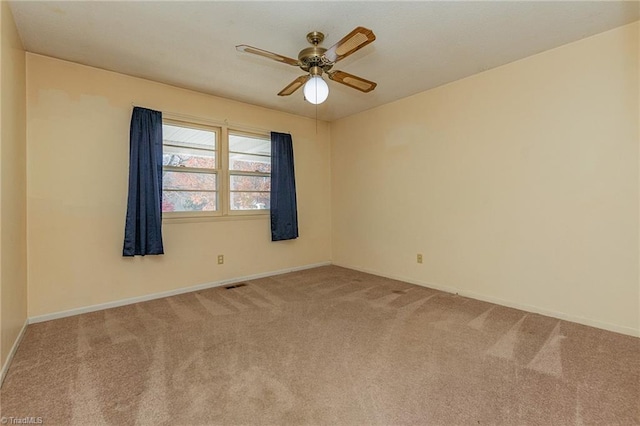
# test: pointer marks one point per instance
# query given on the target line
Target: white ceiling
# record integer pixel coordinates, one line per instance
(420, 45)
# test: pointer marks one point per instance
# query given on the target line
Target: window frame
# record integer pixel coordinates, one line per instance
(230, 173)
(222, 172)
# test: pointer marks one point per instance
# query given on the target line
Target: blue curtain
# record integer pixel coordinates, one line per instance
(284, 213)
(143, 227)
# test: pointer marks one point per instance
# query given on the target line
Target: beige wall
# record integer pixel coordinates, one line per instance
(78, 148)
(13, 249)
(519, 184)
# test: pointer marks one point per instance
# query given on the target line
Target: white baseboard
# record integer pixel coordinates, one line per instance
(147, 297)
(524, 307)
(12, 352)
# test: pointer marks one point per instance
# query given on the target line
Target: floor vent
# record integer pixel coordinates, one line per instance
(235, 286)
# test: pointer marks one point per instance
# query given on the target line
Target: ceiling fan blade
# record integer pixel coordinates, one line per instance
(294, 85)
(355, 40)
(267, 54)
(352, 81)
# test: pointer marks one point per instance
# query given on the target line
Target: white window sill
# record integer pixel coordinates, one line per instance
(171, 219)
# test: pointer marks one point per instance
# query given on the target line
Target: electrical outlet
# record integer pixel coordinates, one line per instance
(419, 258)
(220, 259)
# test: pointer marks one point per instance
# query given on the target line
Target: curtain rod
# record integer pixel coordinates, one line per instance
(224, 122)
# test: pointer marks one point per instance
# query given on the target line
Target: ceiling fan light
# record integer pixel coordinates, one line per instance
(316, 90)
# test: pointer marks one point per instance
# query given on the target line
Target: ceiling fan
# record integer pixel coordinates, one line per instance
(315, 60)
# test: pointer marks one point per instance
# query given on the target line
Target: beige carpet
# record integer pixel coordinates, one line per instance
(323, 346)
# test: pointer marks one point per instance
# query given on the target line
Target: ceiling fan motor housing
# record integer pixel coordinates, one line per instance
(313, 56)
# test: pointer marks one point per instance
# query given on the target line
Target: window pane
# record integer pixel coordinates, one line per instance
(249, 163)
(250, 183)
(187, 157)
(183, 201)
(185, 136)
(187, 180)
(249, 145)
(249, 200)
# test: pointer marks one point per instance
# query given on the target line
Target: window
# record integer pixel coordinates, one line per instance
(189, 169)
(214, 171)
(249, 172)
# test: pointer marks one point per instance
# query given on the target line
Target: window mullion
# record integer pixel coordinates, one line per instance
(189, 170)
(242, 173)
(225, 180)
